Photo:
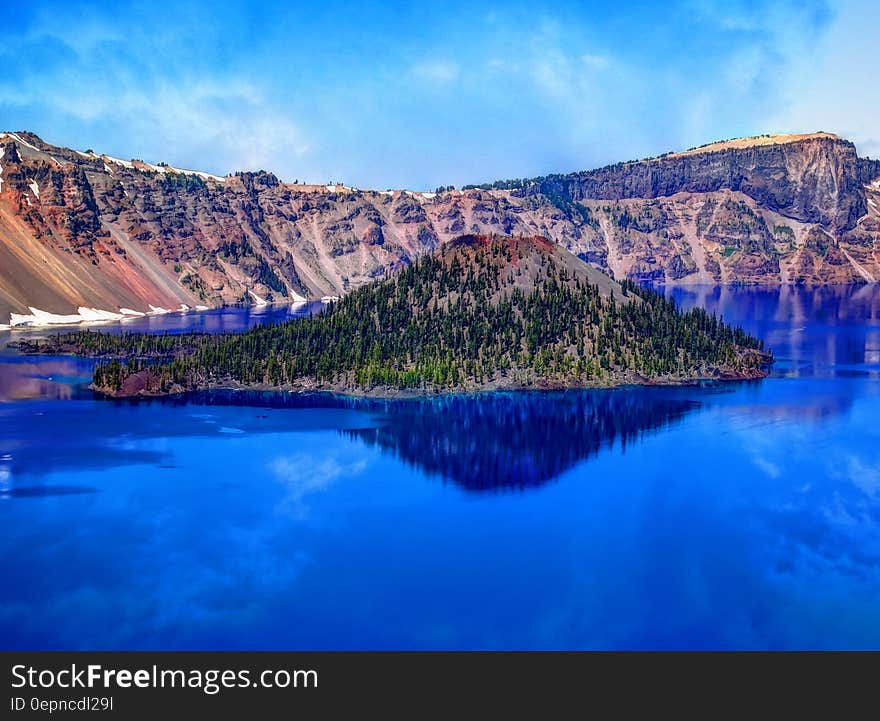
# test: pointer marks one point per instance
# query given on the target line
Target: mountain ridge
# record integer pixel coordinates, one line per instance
(82, 230)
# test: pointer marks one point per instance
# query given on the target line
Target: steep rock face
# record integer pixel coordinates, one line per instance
(724, 237)
(80, 229)
(55, 252)
(769, 209)
(814, 179)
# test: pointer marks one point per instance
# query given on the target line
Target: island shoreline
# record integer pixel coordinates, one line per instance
(391, 393)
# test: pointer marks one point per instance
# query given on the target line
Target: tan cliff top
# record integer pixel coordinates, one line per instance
(740, 143)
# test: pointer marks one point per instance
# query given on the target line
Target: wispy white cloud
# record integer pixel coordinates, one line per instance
(228, 126)
(218, 122)
(304, 475)
(436, 71)
(768, 467)
(862, 474)
(832, 86)
(598, 62)
(521, 89)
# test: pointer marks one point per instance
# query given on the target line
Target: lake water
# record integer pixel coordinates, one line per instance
(728, 516)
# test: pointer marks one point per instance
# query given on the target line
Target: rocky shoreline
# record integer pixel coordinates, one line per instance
(146, 384)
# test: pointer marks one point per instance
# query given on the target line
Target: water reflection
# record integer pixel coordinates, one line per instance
(510, 441)
(39, 438)
(830, 331)
(43, 377)
(482, 442)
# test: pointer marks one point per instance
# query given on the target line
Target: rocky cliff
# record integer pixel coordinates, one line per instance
(78, 229)
(810, 178)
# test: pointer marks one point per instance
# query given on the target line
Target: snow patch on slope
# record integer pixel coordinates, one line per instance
(203, 176)
(150, 168)
(95, 314)
(42, 318)
(117, 161)
(38, 318)
(17, 137)
(259, 301)
(420, 196)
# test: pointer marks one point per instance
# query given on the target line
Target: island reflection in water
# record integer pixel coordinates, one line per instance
(481, 442)
(492, 441)
(517, 441)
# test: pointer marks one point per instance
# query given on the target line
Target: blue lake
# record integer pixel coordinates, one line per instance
(726, 516)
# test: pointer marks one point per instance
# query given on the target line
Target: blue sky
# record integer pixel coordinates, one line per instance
(404, 94)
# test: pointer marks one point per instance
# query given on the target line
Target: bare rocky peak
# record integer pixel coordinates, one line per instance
(522, 259)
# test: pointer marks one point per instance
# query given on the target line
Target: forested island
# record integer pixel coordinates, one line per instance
(481, 313)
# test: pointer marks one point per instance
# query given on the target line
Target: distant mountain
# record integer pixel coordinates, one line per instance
(480, 313)
(79, 229)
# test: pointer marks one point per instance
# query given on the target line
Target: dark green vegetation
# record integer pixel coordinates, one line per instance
(242, 252)
(482, 312)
